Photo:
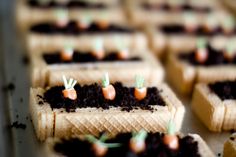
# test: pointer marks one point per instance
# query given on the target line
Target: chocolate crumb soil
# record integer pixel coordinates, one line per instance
(154, 147)
(86, 57)
(18, 125)
(183, 7)
(91, 96)
(72, 29)
(69, 4)
(225, 90)
(215, 57)
(201, 31)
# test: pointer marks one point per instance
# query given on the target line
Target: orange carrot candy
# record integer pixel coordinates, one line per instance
(140, 92)
(98, 50)
(137, 142)
(62, 18)
(210, 23)
(69, 91)
(123, 52)
(84, 22)
(99, 146)
(102, 22)
(190, 22)
(170, 139)
(67, 53)
(228, 25)
(201, 53)
(230, 51)
(108, 90)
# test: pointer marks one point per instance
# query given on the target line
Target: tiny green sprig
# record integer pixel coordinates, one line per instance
(139, 136)
(61, 14)
(101, 141)
(171, 128)
(201, 43)
(69, 48)
(69, 84)
(98, 44)
(139, 81)
(105, 80)
(229, 22)
(230, 48)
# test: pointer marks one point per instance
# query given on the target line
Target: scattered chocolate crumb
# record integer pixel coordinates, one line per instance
(232, 138)
(40, 96)
(21, 99)
(232, 131)
(40, 102)
(25, 60)
(9, 87)
(18, 125)
(91, 96)
(219, 154)
(17, 116)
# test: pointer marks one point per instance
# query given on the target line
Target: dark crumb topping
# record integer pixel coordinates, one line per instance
(215, 57)
(232, 138)
(72, 29)
(69, 4)
(18, 125)
(225, 90)
(154, 147)
(180, 29)
(86, 57)
(183, 7)
(91, 96)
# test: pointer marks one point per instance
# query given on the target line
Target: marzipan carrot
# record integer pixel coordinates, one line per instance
(62, 18)
(99, 146)
(137, 142)
(108, 90)
(69, 91)
(201, 53)
(140, 92)
(170, 139)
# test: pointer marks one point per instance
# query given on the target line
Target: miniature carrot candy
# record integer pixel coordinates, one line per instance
(230, 51)
(170, 139)
(210, 23)
(228, 25)
(140, 92)
(99, 146)
(108, 90)
(201, 54)
(103, 23)
(84, 23)
(67, 53)
(69, 91)
(98, 50)
(190, 22)
(61, 18)
(123, 53)
(137, 142)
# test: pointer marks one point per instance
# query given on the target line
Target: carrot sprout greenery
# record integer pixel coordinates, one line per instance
(201, 43)
(98, 44)
(105, 80)
(61, 14)
(69, 84)
(139, 81)
(101, 141)
(171, 128)
(139, 136)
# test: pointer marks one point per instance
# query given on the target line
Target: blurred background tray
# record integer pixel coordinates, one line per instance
(14, 74)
